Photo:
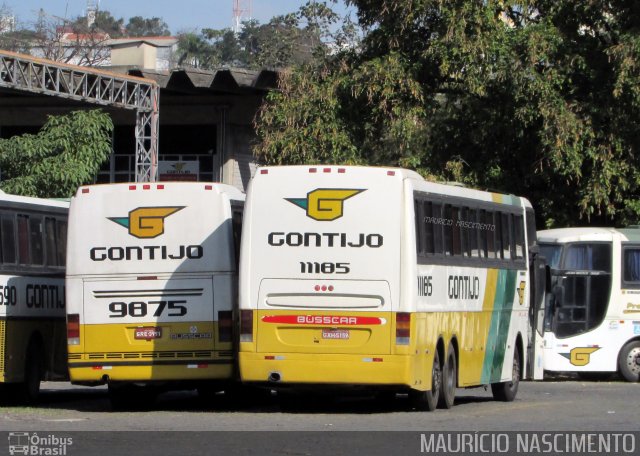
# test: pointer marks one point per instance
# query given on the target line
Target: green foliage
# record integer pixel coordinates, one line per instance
(537, 98)
(66, 153)
(140, 26)
(292, 39)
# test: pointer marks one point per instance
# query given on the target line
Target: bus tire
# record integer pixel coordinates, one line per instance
(629, 361)
(506, 391)
(449, 380)
(428, 400)
(29, 389)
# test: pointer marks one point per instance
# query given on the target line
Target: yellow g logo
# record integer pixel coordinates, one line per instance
(580, 356)
(325, 204)
(146, 222)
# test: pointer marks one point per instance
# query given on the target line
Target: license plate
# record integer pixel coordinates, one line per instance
(148, 333)
(341, 334)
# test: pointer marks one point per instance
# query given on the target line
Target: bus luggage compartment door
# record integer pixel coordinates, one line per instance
(320, 316)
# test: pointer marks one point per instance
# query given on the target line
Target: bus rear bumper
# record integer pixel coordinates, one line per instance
(327, 369)
(100, 373)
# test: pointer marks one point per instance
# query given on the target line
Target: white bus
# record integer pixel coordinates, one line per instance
(33, 235)
(151, 285)
(592, 324)
(376, 278)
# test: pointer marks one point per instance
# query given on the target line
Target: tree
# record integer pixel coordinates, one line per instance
(66, 41)
(139, 26)
(291, 39)
(66, 153)
(539, 98)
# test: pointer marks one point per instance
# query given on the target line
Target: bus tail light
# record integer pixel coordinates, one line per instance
(246, 326)
(224, 325)
(403, 328)
(73, 329)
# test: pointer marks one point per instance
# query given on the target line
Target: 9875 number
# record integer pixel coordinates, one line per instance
(142, 309)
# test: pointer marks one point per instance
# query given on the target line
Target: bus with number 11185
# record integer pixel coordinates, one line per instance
(363, 277)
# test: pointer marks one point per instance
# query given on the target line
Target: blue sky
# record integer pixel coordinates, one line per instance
(180, 15)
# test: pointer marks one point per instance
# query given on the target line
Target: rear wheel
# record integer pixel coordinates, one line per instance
(449, 380)
(629, 361)
(29, 389)
(428, 400)
(506, 391)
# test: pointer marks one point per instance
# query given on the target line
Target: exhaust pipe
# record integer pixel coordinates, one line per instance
(274, 377)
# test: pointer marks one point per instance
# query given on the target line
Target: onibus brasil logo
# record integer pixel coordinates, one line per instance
(325, 204)
(146, 222)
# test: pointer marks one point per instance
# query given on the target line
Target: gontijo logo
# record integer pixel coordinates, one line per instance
(146, 222)
(325, 204)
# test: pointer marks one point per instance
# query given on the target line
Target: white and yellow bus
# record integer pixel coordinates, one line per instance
(151, 285)
(374, 277)
(33, 235)
(592, 324)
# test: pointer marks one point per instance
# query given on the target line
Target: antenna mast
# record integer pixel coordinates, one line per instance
(241, 12)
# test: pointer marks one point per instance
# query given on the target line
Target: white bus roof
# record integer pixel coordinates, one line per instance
(17, 199)
(419, 182)
(219, 188)
(582, 234)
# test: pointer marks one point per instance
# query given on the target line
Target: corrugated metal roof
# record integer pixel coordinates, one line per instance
(227, 79)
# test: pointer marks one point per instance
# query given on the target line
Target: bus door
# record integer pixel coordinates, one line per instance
(540, 285)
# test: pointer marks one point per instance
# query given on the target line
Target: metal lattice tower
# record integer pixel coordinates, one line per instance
(46, 77)
(241, 12)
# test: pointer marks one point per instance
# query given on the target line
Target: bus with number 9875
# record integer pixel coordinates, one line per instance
(151, 286)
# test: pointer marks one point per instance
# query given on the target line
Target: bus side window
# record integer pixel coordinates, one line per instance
(518, 232)
(429, 227)
(23, 239)
(51, 257)
(61, 242)
(437, 229)
(8, 240)
(507, 237)
(35, 235)
(631, 267)
(419, 219)
(490, 233)
(464, 231)
(448, 230)
(474, 233)
(458, 245)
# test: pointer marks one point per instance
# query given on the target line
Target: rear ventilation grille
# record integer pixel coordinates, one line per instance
(152, 355)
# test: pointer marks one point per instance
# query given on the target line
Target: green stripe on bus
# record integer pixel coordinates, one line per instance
(499, 328)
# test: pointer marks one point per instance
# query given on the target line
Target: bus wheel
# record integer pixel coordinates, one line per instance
(506, 391)
(449, 380)
(29, 389)
(629, 361)
(427, 400)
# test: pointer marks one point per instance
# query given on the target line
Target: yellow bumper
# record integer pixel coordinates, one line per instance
(191, 370)
(338, 369)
